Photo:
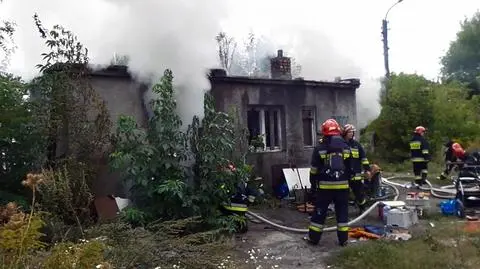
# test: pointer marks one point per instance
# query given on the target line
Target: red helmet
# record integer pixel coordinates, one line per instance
(347, 128)
(420, 130)
(331, 127)
(458, 151)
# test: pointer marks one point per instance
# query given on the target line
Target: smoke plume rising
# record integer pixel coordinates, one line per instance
(318, 60)
(156, 35)
(321, 61)
(179, 34)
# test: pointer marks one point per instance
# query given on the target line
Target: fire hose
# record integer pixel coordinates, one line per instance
(333, 228)
(444, 192)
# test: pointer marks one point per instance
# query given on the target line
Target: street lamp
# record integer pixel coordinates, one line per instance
(385, 40)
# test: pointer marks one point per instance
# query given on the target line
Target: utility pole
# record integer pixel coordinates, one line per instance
(385, 48)
(385, 41)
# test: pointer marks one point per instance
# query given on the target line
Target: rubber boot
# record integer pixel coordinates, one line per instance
(310, 241)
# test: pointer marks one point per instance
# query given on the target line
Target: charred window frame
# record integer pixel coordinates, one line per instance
(265, 126)
(309, 126)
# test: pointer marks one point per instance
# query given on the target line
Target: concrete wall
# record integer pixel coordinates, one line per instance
(329, 99)
(123, 96)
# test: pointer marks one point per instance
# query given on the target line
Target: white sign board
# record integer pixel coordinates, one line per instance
(293, 182)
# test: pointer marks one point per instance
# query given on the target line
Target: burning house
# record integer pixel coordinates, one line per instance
(281, 113)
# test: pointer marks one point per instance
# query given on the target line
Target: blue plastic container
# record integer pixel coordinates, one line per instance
(282, 191)
(449, 207)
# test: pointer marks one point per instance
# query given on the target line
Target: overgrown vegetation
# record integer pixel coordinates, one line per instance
(156, 161)
(59, 127)
(56, 132)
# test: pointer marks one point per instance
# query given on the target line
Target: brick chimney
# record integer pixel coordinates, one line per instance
(280, 67)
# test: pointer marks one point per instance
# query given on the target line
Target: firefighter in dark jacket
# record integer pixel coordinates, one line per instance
(238, 203)
(420, 155)
(329, 176)
(360, 166)
(468, 161)
(449, 158)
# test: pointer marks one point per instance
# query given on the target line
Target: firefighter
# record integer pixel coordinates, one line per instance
(458, 153)
(360, 166)
(239, 200)
(449, 158)
(469, 161)
(329, 174)
(420, 155)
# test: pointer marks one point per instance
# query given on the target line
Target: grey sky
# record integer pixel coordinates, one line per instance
(420, 30)
(328, 38)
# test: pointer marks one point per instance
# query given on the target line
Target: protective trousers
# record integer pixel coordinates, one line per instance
(324, 197)
(358, 189)
(448, 169)
(420, 170)
(374, 185)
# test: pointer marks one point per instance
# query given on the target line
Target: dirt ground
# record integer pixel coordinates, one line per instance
(265, 247)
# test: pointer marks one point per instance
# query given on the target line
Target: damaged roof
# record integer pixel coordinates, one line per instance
(220, 76)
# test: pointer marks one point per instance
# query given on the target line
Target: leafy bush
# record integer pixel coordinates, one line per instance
(65, 193)
(19, 140)
(70, 115)
(155, 161)
(151, 160)
(212, 143)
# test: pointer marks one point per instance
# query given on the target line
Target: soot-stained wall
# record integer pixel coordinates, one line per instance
(289, 101)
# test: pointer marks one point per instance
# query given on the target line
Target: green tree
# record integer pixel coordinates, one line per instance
(454, 115)
(406, 106)
(73, 124)
(412, 101)
(176, 174)
(462, 60)
(150, 159)
(19, 139)
(70, 113)
(212, 143)
(18, 136)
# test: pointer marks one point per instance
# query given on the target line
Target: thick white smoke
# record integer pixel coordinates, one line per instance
(175, 34)
(179, 34)
(321, 61)
(318, 60)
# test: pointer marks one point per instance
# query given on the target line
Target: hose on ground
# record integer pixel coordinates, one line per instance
(436, 192)
(332, 228)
